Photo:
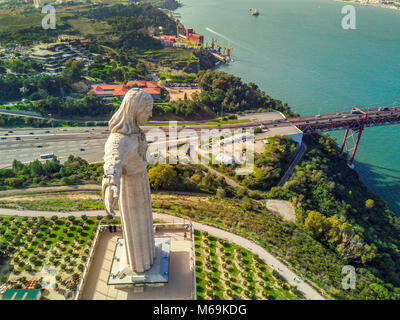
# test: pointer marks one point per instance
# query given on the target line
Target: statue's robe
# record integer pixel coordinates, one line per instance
(125, 156)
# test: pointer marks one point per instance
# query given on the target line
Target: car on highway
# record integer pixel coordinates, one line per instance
(36, 138)
(6, 134)
(3, 138)
(10, 131)
(383, 109)
(17, 138)
(47, 156)
(47, 131)
(86, 130)
(30, 132)
(318, 116)
(39, 146)
(356, 112)
(344, 117)
(81, 149)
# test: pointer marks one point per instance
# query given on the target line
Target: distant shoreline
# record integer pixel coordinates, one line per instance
(381, 5)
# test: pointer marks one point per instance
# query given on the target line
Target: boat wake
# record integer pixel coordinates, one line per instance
(227, 39)
(218, 34)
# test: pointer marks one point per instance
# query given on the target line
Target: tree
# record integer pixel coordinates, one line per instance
(72, 71)
(380, 291)
(369, 204)
(318, 224)
(163, 176)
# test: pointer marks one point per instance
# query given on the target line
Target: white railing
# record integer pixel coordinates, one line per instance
(194, 262)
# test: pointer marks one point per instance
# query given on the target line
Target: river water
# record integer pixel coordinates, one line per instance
(297, 51)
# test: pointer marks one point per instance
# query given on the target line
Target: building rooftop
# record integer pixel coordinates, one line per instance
(143, 84)
(121, 90)
(21, 294)
(111, 89)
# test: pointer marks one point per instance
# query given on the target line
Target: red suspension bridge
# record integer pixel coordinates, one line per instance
(354, 120)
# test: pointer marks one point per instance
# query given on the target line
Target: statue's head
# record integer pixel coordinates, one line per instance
(136, 108)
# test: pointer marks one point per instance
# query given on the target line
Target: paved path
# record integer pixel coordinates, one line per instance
(51, 188)
(89, 187)
(228, 180)
(269, 259)
(296, 160)
(49, 214)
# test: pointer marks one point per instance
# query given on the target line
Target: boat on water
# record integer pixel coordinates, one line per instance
(254, 12)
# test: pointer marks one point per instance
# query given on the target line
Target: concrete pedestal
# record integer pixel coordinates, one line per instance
(121, 275)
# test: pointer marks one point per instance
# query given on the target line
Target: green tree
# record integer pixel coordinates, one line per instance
(317, 223)
(369, 204)
(163, 176)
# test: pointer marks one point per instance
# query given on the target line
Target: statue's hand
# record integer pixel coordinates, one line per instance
(110, 193)
(111, 197)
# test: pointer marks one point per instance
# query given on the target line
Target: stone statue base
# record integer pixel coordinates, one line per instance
(122, 275)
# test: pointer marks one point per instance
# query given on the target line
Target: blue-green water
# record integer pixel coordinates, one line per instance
(297, 51)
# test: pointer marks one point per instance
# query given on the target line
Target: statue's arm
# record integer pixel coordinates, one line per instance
(113, 158)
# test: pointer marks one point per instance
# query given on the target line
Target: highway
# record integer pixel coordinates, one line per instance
(88, 142)
(85, 142)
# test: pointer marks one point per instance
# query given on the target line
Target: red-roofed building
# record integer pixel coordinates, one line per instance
(143, 84)
(151, 87)
(119, 90)
(194, 37)
(109, 90)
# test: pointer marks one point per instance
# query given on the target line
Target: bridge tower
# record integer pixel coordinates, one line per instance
(352, 137)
